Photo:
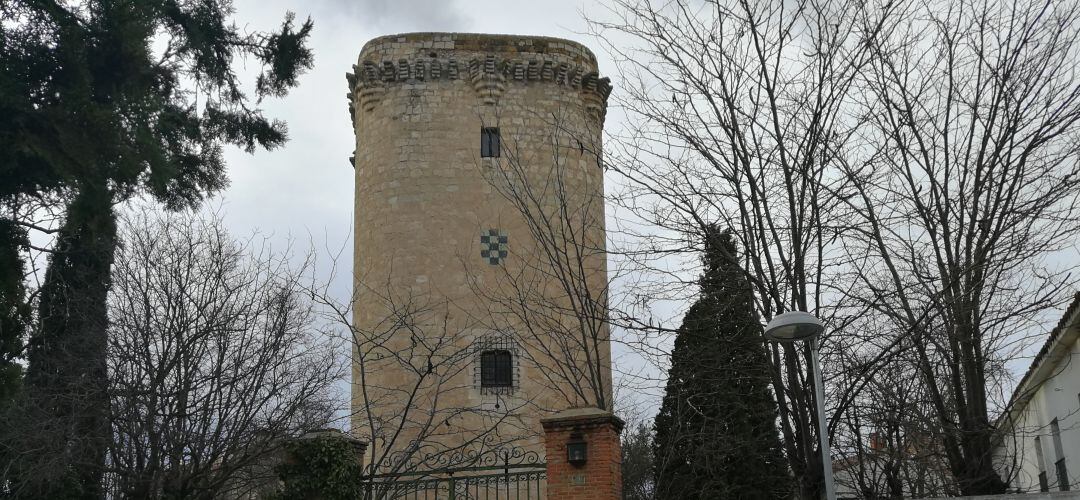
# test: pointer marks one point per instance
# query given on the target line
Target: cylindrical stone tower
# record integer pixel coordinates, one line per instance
(480, 272)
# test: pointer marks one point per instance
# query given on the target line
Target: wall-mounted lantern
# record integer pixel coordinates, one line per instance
(577, 450)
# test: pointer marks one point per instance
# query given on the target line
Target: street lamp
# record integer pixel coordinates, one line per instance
(799, 325)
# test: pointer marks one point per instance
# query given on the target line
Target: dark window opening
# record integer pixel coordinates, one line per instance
(489, 142)
(496, 368)
(1059, 456)
(1044, 481)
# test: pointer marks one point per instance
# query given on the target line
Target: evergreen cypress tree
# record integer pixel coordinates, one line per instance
(716, 434)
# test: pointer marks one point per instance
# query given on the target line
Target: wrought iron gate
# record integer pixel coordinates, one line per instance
(509, 476)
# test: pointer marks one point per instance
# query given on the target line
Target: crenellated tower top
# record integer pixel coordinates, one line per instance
(488, 63)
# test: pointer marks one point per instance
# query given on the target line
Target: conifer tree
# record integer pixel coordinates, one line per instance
(103, 100)
(14, 310)
(716, 434)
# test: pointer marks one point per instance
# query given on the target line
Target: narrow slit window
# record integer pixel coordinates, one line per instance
(1059, 456)
(489, 142)
(496, 368)
(1044, 482)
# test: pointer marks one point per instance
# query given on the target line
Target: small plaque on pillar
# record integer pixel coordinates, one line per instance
(577, 479)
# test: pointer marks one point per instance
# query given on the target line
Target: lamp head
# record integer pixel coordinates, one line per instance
(794, 325)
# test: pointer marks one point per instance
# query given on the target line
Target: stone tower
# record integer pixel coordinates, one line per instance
(480, 272)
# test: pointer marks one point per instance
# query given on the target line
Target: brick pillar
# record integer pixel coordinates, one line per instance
(600, 477)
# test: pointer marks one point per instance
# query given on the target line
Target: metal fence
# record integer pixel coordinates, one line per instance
(461, 483)
(502, 475)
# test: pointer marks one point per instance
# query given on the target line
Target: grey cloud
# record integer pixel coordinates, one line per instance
(404, 15)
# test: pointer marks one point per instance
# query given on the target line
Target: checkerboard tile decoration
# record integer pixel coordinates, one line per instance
(493, 246)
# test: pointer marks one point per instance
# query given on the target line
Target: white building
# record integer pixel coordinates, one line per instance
(1039, 447)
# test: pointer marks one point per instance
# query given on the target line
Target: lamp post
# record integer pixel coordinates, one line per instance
(798, 325)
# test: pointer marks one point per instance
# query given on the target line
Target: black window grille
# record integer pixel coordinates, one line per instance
(496, 368)
(1062, 474)
(489, 142)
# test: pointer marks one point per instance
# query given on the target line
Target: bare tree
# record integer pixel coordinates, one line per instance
(737, 116)
(215, 358)
(887, 441)
(908, 172)
(554, 295)
(637, 463)
(968, 185)
(414, 420)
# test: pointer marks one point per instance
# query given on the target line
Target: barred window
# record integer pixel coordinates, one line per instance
(496, 368)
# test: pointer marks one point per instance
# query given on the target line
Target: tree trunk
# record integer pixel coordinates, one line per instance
(977, 476)
(67, 373)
